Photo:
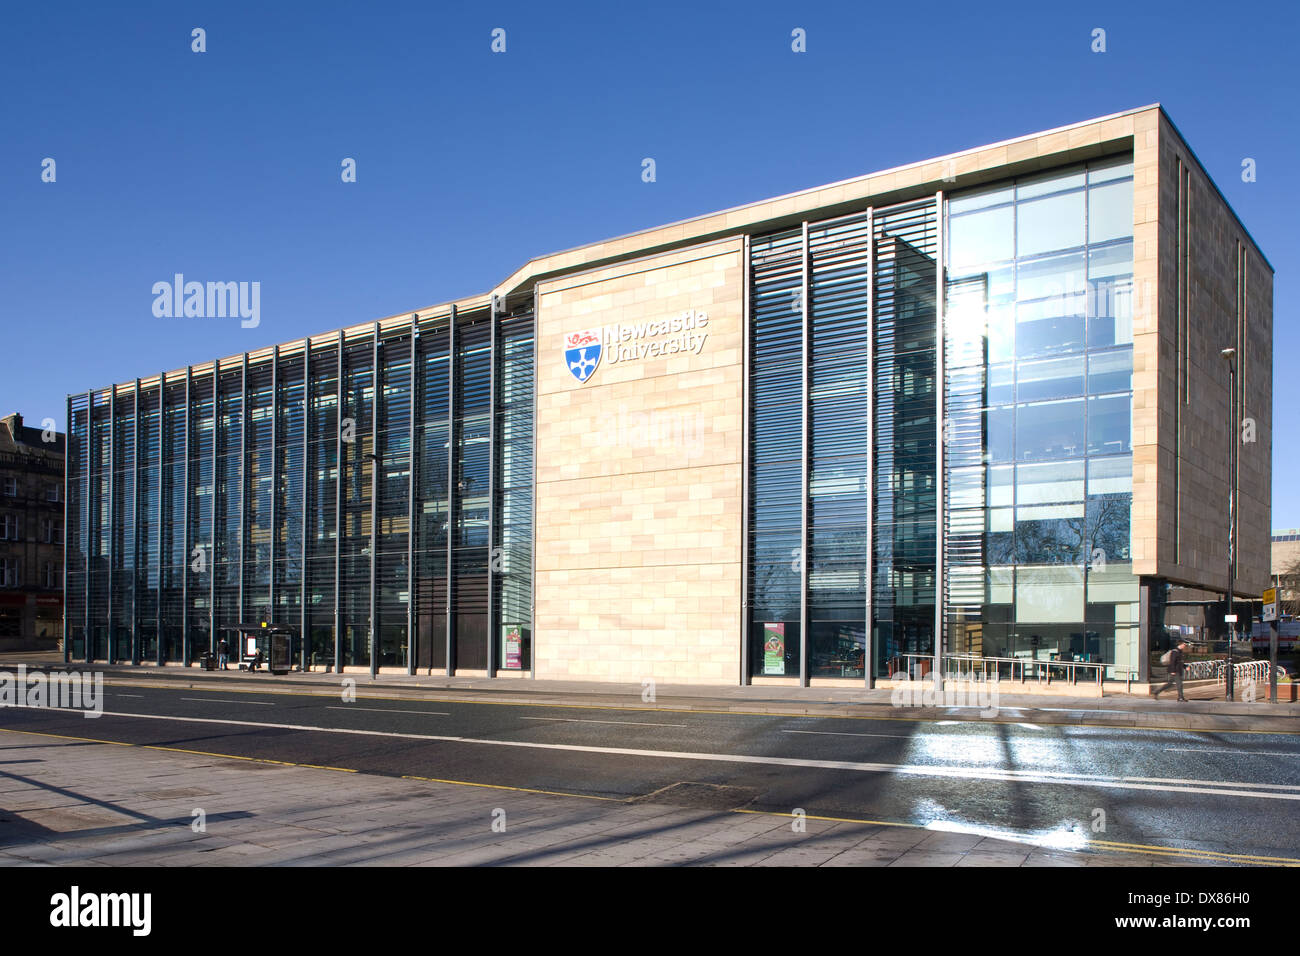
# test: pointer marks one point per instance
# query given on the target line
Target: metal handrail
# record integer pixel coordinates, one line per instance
(1041, 668)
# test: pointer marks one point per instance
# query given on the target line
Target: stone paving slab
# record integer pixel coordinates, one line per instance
(113, 815)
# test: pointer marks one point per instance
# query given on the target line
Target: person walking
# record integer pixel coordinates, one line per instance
(1177, 661)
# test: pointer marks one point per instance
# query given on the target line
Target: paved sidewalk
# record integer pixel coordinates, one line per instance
(1122, 710)
(94, 804)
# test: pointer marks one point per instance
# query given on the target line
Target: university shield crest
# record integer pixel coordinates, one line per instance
(582, 353)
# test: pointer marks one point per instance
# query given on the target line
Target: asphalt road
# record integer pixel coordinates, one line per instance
(1231, 793)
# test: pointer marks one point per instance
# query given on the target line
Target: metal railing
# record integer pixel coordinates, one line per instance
(1257, 671)
(1244, 671)
(1203, 670)
(976, 667)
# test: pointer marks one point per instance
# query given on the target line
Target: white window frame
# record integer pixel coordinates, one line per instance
(11, 487)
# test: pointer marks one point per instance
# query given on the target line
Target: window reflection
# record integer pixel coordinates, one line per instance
(1049, 429)
(1049, 260)
(1055, 378)
(1108, 425)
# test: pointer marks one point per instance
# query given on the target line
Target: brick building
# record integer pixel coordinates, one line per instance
(31, 535)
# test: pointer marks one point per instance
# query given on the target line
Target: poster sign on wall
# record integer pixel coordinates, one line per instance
(514, 647)
(774, 648)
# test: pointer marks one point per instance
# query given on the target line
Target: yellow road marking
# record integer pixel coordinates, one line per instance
(1183, 851)
(1137, 848)
(809, 816)
(89, 740)
(499, 786)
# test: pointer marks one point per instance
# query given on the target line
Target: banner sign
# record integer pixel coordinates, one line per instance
(774, 648)
(514, 647)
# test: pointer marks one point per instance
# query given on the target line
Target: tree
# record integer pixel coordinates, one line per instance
(1288, 585)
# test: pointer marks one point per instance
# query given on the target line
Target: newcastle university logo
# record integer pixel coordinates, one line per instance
(582, 353)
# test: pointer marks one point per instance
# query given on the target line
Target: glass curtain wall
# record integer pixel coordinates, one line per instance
(869, 368)
(470, 490)
(357, 404)
(393, 499)
(228, 502)
(905, 500)
(148, 502)
(512, 599)
(839, 483)
(171, 616)
(97, 626)
(776, 454)
(288, 491)
(277, 487)
(323, 439)
(199, 559)
(1039, 349)
(75, 529)
(122, 532)
(259, 421)
(432, 509)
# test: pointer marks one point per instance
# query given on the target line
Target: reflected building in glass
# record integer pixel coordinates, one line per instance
(974, 406)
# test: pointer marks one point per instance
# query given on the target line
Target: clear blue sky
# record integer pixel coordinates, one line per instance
(225, 165)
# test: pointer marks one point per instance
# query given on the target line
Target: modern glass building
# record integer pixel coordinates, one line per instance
(971, 406)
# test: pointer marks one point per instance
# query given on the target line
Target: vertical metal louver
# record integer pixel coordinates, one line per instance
(287, 495)
(432, 446)
(905, 509)
(228, 500)
(122, 533)
(322, 495)
(513, 489)
(840, 389)
(357, 478)
(393, 429)
(200, 513)
(774, 538)
(470, 538)
(76, 528)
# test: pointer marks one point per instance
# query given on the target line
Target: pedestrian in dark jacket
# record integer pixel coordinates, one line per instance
(1177, 661)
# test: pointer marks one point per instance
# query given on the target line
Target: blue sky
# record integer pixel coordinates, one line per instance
(225, 165)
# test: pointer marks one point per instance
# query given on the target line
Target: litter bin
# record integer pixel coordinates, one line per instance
(208, 661)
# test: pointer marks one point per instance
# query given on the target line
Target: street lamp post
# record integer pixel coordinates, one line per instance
(1230, 356)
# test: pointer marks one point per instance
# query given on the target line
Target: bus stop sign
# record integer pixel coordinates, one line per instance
(1270, 605)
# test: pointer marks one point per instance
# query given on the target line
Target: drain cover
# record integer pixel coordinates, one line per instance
(700, 796)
